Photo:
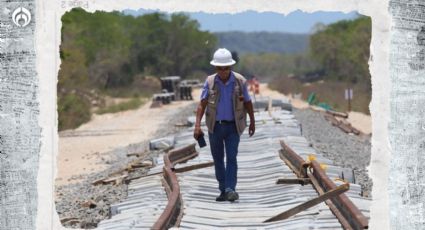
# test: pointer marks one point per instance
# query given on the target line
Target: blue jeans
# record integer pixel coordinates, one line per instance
(225, 136)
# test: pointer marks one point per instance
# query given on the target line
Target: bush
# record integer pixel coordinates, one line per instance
(132, 104)
(73, 110)
(141, 87)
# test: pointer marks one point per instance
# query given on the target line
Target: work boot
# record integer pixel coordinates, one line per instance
(232, 196)
(222, 197)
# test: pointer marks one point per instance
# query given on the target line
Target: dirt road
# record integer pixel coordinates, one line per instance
(79, 149)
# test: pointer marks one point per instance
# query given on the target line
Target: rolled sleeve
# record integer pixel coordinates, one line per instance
(246, 96)
(204, 93)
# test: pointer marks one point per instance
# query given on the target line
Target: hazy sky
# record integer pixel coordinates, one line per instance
(250, 21)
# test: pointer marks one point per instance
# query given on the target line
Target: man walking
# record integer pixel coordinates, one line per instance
(226, 101)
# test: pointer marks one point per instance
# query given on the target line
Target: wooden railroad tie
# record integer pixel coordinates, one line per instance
(299, 208)
(301, 181)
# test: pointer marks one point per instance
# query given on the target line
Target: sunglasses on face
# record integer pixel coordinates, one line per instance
(222, 68)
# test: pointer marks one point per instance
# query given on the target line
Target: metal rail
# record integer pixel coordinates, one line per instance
(342, 207)
(345, 206)
(293, 160)
(171, 212)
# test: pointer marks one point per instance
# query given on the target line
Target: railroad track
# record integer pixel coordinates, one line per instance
(281, 183)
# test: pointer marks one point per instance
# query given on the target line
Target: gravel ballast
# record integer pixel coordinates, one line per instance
(345, 150)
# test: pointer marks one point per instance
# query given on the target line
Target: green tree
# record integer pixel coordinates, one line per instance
(342, 49)
(110, 53)
(187, 46)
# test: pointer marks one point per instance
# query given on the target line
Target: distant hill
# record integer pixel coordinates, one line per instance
(259, 42)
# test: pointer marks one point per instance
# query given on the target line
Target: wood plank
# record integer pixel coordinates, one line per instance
(299, 208)
(344, 127)
(332, 119)
(345, 224)
(301, 181)
(338, 114)
(193, 167)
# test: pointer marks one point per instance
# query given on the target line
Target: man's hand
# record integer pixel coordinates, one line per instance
(197, 132)
(200, 110)
(251, 128)
(250, 110)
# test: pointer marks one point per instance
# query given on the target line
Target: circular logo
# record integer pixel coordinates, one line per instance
(21, 17)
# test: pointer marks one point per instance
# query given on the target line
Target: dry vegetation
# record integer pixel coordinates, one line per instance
(329, 92)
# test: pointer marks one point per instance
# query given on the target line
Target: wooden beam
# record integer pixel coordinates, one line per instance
(344, 127)
(332, 119)
(127, 180)
(302, 181)
(338, 114)
(344, 222)
(299, 208)
(193, 167)
(116, 180)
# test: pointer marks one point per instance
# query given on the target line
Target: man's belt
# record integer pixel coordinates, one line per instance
(225, 122)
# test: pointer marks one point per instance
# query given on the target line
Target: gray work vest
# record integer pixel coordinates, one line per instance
(239, 110)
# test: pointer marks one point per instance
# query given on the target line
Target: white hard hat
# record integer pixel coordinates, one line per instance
(222, 57)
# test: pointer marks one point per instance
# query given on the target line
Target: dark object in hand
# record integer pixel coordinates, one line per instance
(201, 141)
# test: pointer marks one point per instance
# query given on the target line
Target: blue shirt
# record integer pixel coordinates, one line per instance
(225, 102)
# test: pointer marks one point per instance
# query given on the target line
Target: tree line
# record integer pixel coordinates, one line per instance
(263, 42)
(112, 53)
(337, 52)
(338, 56)
(342, 50)
(107, 50)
